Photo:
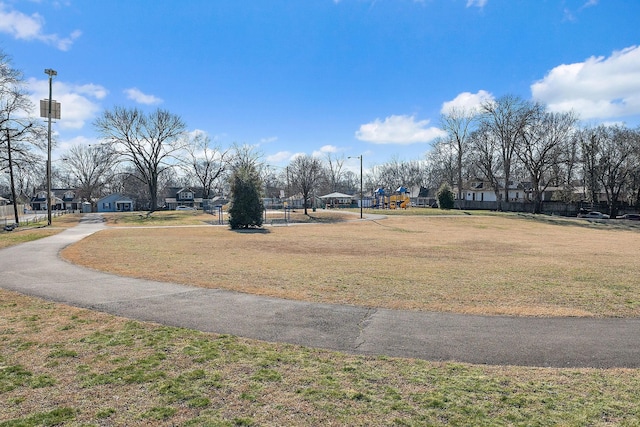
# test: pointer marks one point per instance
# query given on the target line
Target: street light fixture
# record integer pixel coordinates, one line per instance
(361, 193)
(50, 73)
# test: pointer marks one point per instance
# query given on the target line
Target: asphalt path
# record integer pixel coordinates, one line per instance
(36, 269)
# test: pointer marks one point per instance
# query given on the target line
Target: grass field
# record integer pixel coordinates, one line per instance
(37, 230)
(67, 366)
(508, 265)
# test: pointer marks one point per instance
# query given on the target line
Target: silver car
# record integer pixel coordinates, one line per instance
(595, 215)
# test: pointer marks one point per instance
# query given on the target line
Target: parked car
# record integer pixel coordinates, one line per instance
(632, 217)
(593, 215)
(185, 208)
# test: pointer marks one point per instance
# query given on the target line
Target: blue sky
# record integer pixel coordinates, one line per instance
(349, 77)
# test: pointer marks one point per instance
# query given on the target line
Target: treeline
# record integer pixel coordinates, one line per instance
(513, 140)
(499, 143)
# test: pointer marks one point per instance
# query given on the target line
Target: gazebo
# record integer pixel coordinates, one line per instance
(337, 200)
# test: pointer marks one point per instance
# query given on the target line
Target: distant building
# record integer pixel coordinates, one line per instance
(115, 203)
(183, 196)
(63, 199)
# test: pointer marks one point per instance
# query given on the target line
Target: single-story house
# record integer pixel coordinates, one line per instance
(115, 203)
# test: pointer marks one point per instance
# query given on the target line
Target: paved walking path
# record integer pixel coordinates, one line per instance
(35, 269)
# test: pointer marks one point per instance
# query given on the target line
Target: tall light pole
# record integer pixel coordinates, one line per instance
(361, 192)
(50, 73)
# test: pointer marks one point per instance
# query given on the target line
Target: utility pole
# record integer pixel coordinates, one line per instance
(11, 179)
(50, 73)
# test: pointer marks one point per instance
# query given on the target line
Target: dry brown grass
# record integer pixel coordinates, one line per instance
(173, 218)
(469, 264)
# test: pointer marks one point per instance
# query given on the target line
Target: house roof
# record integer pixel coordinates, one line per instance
(116, 197)
(337, 196)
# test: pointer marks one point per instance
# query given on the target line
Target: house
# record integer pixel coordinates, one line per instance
(213, 204)
(115, 203)
(482, 191)
(63, 199)
(183, 196)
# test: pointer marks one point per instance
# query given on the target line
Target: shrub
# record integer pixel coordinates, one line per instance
(445, 197)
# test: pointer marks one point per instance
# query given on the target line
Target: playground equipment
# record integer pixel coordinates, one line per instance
(400, 200)
(379, 200)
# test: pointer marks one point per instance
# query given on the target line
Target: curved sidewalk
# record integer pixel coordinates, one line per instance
(35, 269)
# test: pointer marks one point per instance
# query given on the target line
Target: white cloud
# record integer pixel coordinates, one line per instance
(279, 157)
(268, 139)
(398, 130)
(77, 102)
(141, 98)
(467, 101)
(66, 144)
(477, 3)
(31, 27)
(571, 16)
(598, 88)
(296, 155)
(568, 15)
(329, 149)
(324, 150)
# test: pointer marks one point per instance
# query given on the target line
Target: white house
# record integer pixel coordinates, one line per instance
(481, 191)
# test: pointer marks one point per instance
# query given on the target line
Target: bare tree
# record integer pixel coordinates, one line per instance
(486, 158)
(442, 164)
(305, 172)
(565, 170)
(205, 163)
(541, 147)
(634, 188)
(149, 142)
(610, 159)
(396, 173)
(246, 155)
(92, 168)
(350, 182)
(333, 171)
(19, 131)
(275, 181)
(506, 119)
(458, 123)
(591, 144)
(618, 163)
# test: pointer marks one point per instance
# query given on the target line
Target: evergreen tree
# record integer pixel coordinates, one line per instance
(246, 199)
(445, 197)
